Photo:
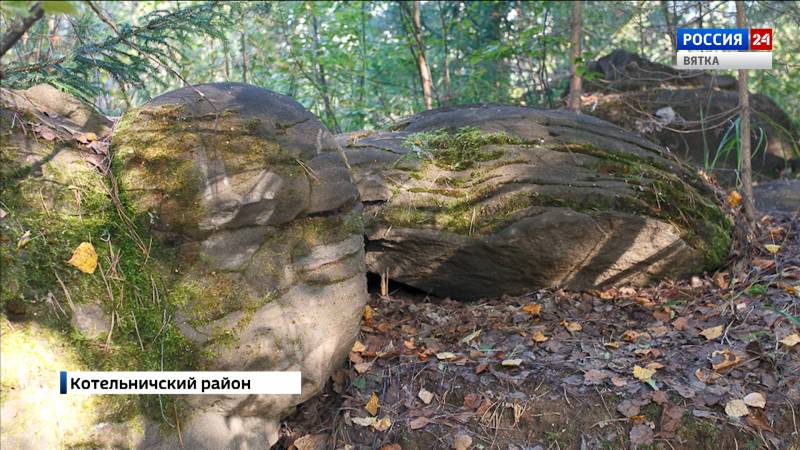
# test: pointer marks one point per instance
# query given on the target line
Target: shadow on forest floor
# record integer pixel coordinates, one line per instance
(666, 367)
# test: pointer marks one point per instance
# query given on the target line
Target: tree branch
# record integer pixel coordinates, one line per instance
(15, 34)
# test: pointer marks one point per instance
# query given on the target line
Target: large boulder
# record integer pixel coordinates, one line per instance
(486, 200)
(252, 195)
(693, 113)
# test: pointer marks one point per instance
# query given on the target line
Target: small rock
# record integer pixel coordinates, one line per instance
(91, 320)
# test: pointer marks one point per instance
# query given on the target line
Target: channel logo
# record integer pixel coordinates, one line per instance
(724, 48)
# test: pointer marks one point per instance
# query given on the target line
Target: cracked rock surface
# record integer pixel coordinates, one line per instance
(253, 195)
(542, 199)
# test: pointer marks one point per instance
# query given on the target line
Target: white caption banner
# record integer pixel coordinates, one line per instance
(703, 60)
(208, 383)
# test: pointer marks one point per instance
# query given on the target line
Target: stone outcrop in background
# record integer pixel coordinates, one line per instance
(481, 201)
(693, 113)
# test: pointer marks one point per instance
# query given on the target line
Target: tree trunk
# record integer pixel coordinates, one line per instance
(575, 84)
(744, 137)
(448, 94)
(669, 20)
(322, 80)
(243, 44)
(422, 61)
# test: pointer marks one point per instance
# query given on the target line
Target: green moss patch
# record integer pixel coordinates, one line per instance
(462, 149)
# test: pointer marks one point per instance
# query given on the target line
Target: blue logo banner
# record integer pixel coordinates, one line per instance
(713, 39)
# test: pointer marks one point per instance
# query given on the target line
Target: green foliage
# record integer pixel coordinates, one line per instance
(155, 46)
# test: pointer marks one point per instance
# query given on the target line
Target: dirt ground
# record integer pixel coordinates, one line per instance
(707, 363)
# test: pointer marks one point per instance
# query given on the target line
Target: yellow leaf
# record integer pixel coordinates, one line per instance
(631, 335)
(571, 326)
(643, 374)
(373, 404)
(532, 308)
(86, 138)
(713, 332)
(734, 199)
(612, 345)
(736, 408)
(755, 399)
(358, 347)
(723, 359)
(791, 340)
(382, 424)
(772, 248)
(369, 313)
(538, 336)
(84, 258)
(425, 395)
(511, 362)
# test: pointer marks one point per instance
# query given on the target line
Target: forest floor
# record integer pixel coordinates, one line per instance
(707, 363)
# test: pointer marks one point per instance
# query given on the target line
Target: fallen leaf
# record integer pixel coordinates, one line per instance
(713, 332)
(445, 355)
(373, 404)
(643, 374)
(660, 397)
(641, 434)
(631, 335)
(311, 442)
(612, 345)
(736, 408)
(594, 376)
(511, 362)
(472, 401)
(571, 326)
(425, 395)
(734, 199)
(628, 408)
(382, 424)
(791, 340)
(481, 367)
(85, 138)
(362, 367)
(681, 323)
(418, 423)
(772, 248)
(538, 336)
(532, 308)
(723, 359)
(756, 400)
(391, 447)
(358, 347)
(84, 258)
(364, 421)
(462, 441)
(721, 278)
(655, 365)
(369, 313)
(764, 263)
(470, 337)
(705, 375)
(24, 239)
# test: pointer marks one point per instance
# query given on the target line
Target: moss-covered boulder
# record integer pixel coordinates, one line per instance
(252, 196)
(481, 201)
(693, 113)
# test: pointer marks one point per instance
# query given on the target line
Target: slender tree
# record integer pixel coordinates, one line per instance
(744, 137)
(575, 39)
(415, 16)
